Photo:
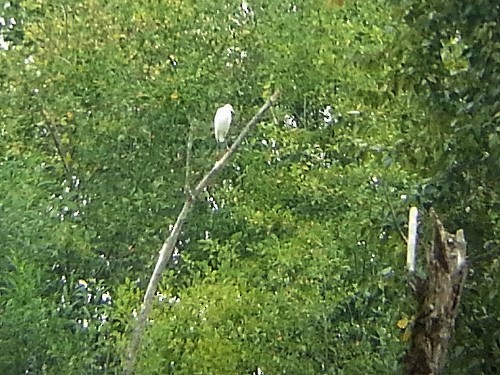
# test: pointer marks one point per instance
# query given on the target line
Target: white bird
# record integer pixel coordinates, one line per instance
(222, 121)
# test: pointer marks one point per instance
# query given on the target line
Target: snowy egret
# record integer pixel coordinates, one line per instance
(222, 121)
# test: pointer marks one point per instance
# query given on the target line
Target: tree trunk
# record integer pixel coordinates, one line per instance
(438, 296)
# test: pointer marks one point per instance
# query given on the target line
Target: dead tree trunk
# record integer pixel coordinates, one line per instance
(438, 296)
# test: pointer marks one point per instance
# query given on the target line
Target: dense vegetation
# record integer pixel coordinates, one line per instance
(294, 260)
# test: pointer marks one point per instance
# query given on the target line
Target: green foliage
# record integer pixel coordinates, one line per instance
(455, 71)
(43, 313)
(293, 260)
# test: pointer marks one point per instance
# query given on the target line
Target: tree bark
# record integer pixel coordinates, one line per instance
(438, 295)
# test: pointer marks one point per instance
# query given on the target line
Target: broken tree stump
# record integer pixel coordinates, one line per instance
(438, 296)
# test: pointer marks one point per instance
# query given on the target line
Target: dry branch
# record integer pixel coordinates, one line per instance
(168, 246)
(51, 129)
(411, 246)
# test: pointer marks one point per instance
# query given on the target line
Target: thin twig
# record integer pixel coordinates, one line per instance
(66, 25)
(168, 246)
(187, 189)
(276, 122)
(57, 142)
(393, 213)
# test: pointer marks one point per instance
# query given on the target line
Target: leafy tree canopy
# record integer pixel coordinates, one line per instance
(294, 259)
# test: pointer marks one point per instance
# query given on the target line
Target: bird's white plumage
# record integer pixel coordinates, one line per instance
(222, 121)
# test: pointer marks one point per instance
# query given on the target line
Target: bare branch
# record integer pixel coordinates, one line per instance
(187, 189)
(411, 248)
(57, 142)
(223, 160)
(384, 188)
(168, 246)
